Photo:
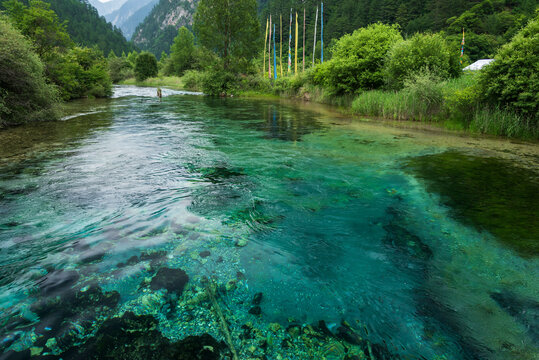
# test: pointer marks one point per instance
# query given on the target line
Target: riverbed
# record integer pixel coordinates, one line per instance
(209, 228)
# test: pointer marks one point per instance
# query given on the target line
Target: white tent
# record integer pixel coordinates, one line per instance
(478, 65)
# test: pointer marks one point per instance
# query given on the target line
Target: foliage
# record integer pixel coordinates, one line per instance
(358, 60)
(193, 80)
(40, 24)
(145, 66)
(81, 72)
(219, 82)
(120, 69)
(182, 52)
(229, 28)
(502, 122)
(84, 25)
(24, 92)
(512, 80)
(407, 58)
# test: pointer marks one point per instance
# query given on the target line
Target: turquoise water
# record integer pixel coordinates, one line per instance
(213, 228)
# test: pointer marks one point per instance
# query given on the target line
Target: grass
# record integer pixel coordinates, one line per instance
(172, 82)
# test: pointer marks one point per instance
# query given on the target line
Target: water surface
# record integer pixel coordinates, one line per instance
(141, 228)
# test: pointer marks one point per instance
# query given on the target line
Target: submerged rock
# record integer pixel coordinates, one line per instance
(255, 310)
(172, 280)
(204, 254)
(257, 299)
(133, 337)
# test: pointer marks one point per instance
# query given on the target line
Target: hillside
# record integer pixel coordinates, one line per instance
(157, 31)
(87, 28)
(130, 15)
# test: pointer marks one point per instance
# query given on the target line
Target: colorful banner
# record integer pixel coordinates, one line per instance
(462, 47)
(322, 32)
(265, 43)
(290, 45)
(274, 56)
(296, 48)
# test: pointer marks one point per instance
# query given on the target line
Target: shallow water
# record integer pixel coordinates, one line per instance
(364, 239)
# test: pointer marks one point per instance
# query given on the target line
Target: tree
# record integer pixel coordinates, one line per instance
(409, 57)
(145, 66)
(230, 28)
(40, 24)
(512, 80)
(81, 72)
(182, 52)
(358, 60)
(24, 92)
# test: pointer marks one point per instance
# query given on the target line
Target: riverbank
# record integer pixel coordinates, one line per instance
(450, 105)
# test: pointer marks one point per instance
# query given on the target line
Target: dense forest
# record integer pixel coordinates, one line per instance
(86, 27)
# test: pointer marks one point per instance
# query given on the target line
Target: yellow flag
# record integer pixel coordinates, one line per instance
(296, 58)
(265, 39)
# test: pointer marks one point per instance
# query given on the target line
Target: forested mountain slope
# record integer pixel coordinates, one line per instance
(130, 15)
(158, 30)
(86, 27)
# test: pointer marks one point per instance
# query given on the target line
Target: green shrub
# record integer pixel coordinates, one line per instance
(219, 83)
(407, 58)
(193, 80)
(358, 60)
(24, 92)
(119, 69)
(145, 66)
(512, 80)
(81, 72)
(426, 90)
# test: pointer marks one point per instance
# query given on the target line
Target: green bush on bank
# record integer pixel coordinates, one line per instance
(357, 60)
(81, 72)
(25, 94)
(422, 51)
(145, 66)
(512, 80)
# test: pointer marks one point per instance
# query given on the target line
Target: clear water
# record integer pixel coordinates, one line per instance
(362, 241)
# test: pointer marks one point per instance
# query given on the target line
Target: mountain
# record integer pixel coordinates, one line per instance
(157, 31)
(130, 14)
(104, 8)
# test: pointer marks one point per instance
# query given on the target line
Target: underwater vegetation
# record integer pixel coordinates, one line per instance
(488, 193)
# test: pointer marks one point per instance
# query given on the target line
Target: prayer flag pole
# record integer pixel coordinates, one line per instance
(269, 50)
(315, 27)
(265, 43)
(281, 46)
(296, 51)
(462, 47)
(303, 39)
(321, 32)
(274, 56)
(290, 45)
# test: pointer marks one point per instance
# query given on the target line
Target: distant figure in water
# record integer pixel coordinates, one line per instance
(159, 93)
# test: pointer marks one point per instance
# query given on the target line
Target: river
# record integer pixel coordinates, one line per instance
(204, 228)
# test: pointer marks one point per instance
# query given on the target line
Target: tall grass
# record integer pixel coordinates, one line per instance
(501, 122)
(394, 105)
